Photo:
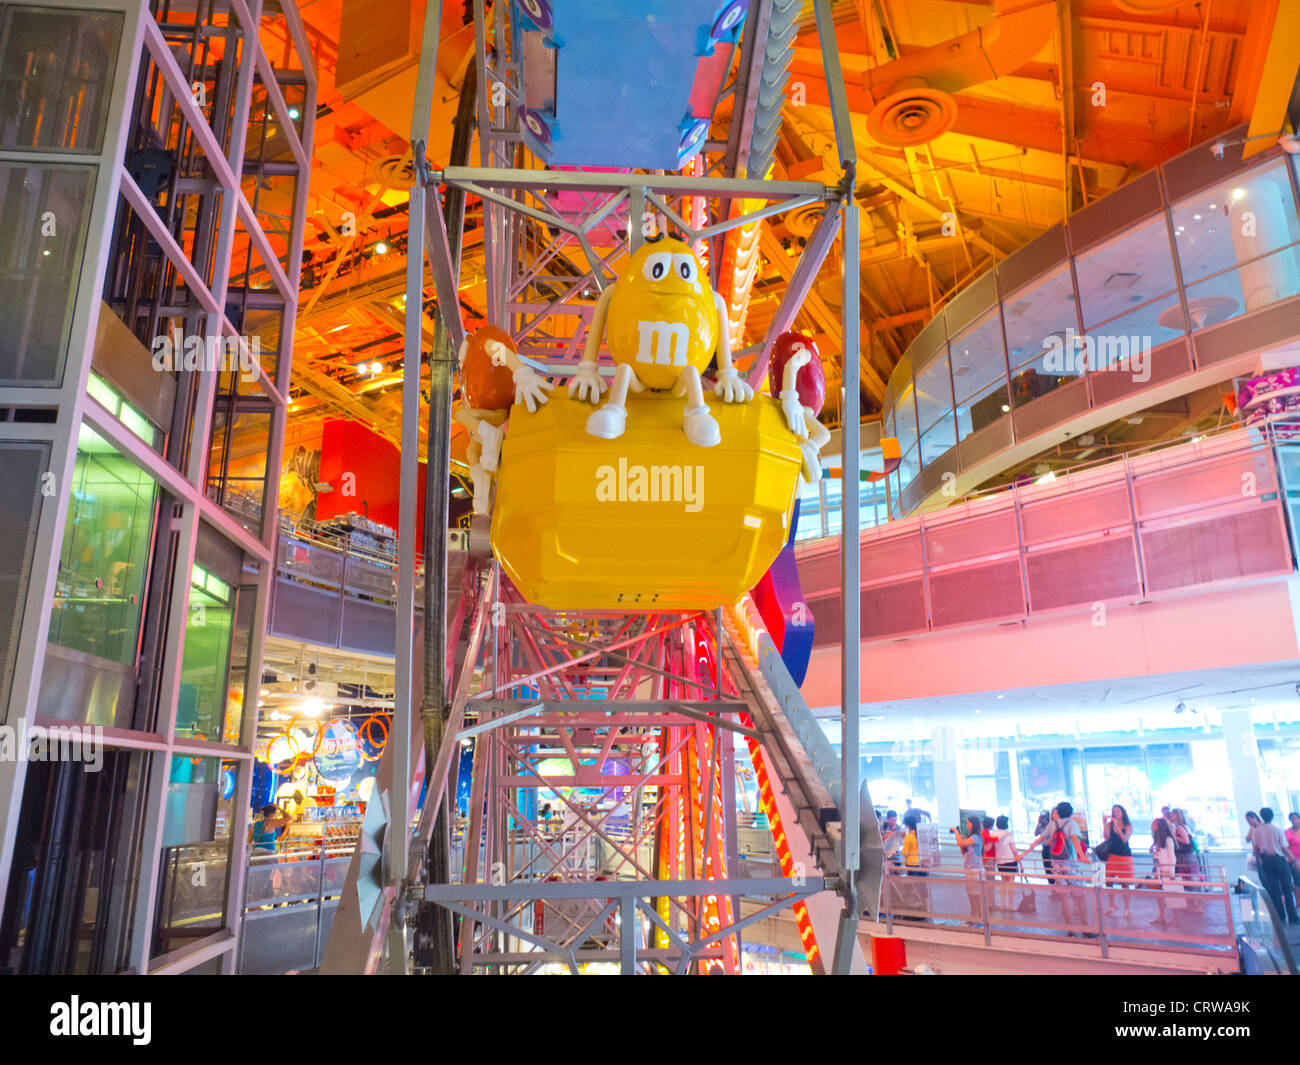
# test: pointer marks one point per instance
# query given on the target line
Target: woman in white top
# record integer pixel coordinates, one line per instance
(1008, 861)
(1162, 835)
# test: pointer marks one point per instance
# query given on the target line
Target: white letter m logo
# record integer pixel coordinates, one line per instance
(668, 340)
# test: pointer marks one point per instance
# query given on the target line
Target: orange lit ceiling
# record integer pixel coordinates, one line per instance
(1020, 155)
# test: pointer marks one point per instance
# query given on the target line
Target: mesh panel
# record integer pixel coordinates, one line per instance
(1082, 573)
(892, 609)
(278, 880)
(829, 613)
(278, 940)
(303, 613)
(886, 558)
(1090, 510)
(369, 579)
(820, 573)
(21, 466)
(971, 538)
(368, 627)
(307, 562)
(1223, 547)
(977, 593)
(1204, 482)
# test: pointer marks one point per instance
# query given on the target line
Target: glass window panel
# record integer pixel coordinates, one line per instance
(905, 414)
(936, 440)
(202, 707)
(197, 840)
(1038, 321)
(272, 197)
(267, 139)
(810, 518)
(982, 409)
(908, 468)
(102, 568)
(1129, 338)
(43, 212)
(834, 516)
(934, 392)
(262, 326)
(872, 510)
(979, 374)
(237, 464)
(977, 358)
(1036, 313)
(109, 396)
(1133, 269)
(1240, 220)
(21, 467)
(56, 77)
(1268, 280)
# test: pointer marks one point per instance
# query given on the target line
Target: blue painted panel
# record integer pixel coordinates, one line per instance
(624, 73)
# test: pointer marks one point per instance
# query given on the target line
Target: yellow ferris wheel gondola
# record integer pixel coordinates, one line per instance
(647, 519)
(669, 494)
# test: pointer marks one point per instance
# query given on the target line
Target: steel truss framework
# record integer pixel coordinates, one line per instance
(552, 241)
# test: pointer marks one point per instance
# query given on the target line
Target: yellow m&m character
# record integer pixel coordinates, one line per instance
(664, 323)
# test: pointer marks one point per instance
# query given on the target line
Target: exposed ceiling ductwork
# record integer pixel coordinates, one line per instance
(913, 95)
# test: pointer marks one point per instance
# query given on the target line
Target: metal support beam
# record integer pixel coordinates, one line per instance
(850, 564)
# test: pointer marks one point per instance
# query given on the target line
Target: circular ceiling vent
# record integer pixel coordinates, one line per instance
(395, 171)
(1149, 7)
(801, 221)
(910, 117)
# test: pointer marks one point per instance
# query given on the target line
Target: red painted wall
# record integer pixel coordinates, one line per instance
(348, 447)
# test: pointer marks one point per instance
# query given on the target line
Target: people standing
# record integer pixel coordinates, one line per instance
(970, 838)
(990, 847)
(1271, 859)
(1162, 846)
(1293, 843)
(1006, 859)
(912, 896)
(924, 815)
(911, 845)
(1118, 830)
(268, 827)
(1064, 842)
(1185, 864)
(1040, 833)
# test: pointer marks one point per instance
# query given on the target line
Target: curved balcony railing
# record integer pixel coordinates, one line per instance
(1180, 270)
(1146, 525)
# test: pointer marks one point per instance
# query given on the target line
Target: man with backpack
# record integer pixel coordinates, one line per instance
(1068, 846)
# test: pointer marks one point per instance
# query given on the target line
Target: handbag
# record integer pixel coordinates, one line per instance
(1102, 850)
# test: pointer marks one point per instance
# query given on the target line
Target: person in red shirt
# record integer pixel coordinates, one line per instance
(990, 847)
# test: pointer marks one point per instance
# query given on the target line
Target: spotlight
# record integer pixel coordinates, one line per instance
(294, 113)
(376, 367)
(1180, 708)
(362, 367)
(381, 248)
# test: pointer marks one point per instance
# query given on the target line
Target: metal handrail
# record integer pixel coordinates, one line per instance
(1276, 923)
(1063, 887)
